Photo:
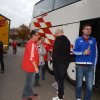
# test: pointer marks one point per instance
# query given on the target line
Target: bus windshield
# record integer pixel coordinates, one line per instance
(43, 7)
(61, 3)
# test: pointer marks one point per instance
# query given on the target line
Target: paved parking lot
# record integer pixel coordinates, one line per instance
(12, 82)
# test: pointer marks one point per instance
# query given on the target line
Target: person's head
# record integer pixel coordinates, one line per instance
(42, 39)
(34, 35)
(38, 42)
(59, 32)
(87, 29)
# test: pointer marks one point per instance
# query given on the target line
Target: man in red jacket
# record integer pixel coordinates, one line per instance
(30, 65)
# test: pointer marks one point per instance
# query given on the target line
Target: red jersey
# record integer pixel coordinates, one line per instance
(48, 48)
(30, 55)
(14, 44)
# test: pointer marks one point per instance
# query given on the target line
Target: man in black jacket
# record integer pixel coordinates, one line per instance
(1, 57)
(60, 56)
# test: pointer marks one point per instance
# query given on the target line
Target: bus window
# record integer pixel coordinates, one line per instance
(61, 3)
(43, 7)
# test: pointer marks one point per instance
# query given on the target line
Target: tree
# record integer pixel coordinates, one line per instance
(23, 32)
(13, 34)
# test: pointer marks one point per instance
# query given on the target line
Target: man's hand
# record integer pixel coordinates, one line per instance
(36, 70)
(86, 52)
(36, 67)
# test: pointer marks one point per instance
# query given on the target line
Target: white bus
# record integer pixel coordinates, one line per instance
(70, 15)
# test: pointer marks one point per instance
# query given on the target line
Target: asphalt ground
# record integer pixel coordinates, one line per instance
(13, 80)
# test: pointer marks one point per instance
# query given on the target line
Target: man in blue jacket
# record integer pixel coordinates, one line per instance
(85, 51)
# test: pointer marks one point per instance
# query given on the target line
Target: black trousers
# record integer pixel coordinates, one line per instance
(37, 76)
(2, 63)
(60, 74)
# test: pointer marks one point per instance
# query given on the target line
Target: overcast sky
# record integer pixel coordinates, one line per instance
(19, 11)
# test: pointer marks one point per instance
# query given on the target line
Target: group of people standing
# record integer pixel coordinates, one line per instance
(85, 58)
(85, 51)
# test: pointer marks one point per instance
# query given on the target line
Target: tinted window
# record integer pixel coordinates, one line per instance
(43, 7)
(61, 3)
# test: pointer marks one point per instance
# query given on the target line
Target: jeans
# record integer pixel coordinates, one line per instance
(60, 74)
(88, 73)
(30, 79)
(41, 69)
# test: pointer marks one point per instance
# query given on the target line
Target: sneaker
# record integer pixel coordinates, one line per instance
(56, 87)
(29, 98)
(32, 97)
(78, 99)
(56, 98)
(54, 84)
(35, 94)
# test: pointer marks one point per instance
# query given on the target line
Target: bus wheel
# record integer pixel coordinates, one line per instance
(71, 73)
(50, 67)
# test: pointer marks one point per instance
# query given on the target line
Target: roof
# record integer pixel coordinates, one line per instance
(39, 2)
(4, 17)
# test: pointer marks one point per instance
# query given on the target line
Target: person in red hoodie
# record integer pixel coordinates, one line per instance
(30, 65)
(14, 46)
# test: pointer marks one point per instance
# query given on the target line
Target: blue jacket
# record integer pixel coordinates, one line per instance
(80, 46)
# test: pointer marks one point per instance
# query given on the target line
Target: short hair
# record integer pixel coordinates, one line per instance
(59, 30)
(42, 37)
(33, 32)
(86, 25)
